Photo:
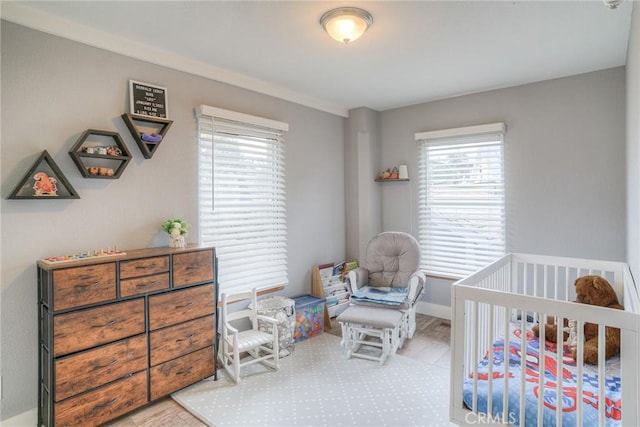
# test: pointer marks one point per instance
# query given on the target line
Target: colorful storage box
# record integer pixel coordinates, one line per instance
(309, 317)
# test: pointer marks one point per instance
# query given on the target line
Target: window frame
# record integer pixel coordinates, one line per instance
(483, 139)
(262, 182)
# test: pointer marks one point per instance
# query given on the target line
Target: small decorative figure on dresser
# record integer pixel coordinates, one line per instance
(177, 229)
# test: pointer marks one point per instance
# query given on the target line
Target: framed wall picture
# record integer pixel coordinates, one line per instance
(147, 100)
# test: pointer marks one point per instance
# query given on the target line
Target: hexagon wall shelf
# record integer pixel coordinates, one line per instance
(147, 131)
(44, 181)
(100, 154)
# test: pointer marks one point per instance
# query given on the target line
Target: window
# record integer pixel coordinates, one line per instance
(241, 197)
(461, 199)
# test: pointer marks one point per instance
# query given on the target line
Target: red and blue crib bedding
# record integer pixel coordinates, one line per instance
(568, 400)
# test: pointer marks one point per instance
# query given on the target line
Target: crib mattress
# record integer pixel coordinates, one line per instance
(590, 399)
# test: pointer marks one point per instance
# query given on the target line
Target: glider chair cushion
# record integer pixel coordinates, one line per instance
(390, 276)
(391, 259)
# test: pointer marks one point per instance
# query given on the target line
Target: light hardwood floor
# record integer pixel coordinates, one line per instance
(429, 344)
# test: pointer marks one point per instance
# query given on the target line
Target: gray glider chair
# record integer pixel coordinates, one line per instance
(390, 277)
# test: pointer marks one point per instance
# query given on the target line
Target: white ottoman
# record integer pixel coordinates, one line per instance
(361, 322)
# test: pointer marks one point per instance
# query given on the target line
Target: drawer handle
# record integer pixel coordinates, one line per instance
(113, 362)
(109, 323)
(185, 372)
(188, 338)
(86, 285)
(144, 267)
(189, 304)
(109, 403)
(144, 285)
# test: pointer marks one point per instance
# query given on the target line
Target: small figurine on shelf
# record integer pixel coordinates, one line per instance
(177, 229)
(44, 185)
(385, 174)
(394, 173)
(113, 150)
(151, 137)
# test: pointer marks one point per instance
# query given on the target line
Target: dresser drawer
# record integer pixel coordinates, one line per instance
(94, 368)
(143, 285)
(144, 267)
(179, 373)
(78, 286)
(104, 403)
(88, 328)
(175, 341)
(176, 307)
(192, 267)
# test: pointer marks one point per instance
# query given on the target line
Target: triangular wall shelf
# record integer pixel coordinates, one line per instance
(148, 131)
(96, 155)
(44, 180)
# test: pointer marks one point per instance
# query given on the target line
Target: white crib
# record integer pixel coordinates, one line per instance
(520, 290)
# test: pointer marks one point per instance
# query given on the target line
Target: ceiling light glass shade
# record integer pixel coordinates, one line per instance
(611, 4)
(346, 24)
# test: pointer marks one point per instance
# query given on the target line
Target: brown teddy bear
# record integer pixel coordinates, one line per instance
(593, 290)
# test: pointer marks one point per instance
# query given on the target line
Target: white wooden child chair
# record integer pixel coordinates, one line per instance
(252, 341)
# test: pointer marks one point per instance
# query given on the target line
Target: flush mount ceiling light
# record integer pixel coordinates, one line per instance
(611, 4)
(346, 24)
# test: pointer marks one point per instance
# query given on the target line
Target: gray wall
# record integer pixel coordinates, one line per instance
(362, 155)
(564, 163)
(633, 144)
(53, 90)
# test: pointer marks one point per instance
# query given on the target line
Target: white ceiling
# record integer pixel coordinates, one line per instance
(415, 51)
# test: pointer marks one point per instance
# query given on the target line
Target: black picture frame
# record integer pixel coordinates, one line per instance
(148, 100)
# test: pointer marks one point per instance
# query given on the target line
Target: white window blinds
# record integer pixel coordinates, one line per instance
(461, 199)
(242, 201)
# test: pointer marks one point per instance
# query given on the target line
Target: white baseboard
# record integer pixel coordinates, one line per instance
(25, 419)
(435, 310)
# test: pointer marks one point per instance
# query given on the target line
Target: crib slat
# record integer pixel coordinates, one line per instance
(579, 365)
(559, 345)
(523, 364)
(505, 387)
(459, 350)
(474, 358)
(490, 356)
(545, 281)
(601, 379)
(541, 348)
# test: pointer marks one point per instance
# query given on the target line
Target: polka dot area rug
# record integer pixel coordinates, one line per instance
(318, 386)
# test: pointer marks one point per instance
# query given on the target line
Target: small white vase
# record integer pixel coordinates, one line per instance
(176, 242)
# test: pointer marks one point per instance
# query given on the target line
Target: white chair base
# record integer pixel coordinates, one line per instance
(253, 342)
(262, 354)
(360, 323)
(409, 323)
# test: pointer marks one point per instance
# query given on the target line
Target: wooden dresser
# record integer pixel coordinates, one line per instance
(118, 332)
